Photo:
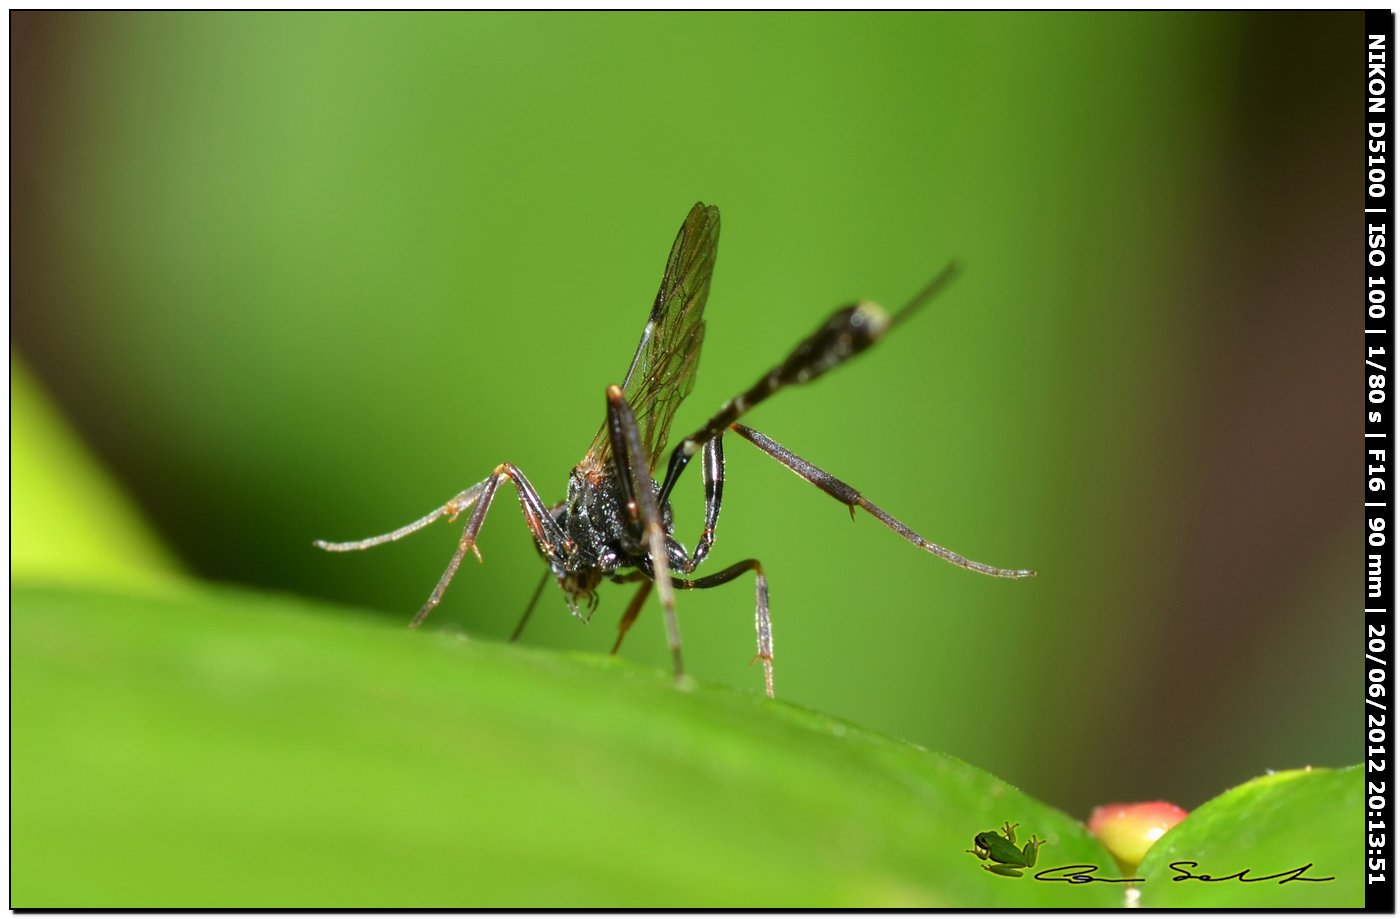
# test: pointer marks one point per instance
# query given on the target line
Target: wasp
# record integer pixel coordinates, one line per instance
(615, 521)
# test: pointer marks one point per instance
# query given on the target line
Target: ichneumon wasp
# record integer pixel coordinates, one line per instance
(615, 521)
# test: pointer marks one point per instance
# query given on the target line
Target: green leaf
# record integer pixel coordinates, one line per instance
(242, 750)
(1268, 826)
(69, 523)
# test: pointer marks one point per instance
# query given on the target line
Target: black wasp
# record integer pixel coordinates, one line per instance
(615, 522)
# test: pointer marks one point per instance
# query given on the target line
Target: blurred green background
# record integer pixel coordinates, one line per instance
(299, 276)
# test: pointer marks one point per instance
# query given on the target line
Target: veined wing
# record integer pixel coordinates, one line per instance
(662, 372)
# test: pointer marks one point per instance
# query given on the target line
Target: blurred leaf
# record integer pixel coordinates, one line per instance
(68, 521)
(1268, 826)
(246, 750)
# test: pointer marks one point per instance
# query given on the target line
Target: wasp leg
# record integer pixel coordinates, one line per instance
(846, 333)
(762, 624)
(853, 499)
(530, 607)
(713, 475)
(633, 608)
(450, 510)
(714, 495)
(643, 507)
(547, 533)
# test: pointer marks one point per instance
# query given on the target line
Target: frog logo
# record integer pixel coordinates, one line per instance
(1000, 849)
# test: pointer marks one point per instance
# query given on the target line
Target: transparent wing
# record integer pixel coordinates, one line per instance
(662, 372)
